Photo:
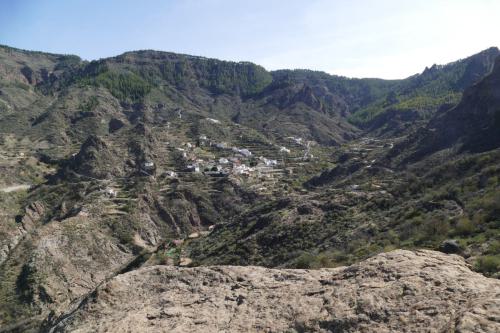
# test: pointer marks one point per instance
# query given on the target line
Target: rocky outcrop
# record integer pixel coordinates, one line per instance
(400, 291)
(96, 159)
(33, 214)
(306, 95)
(69, 259)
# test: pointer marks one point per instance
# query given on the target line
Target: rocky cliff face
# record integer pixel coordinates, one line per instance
(400, 291)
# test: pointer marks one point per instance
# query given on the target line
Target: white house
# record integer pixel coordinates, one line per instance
(267, 162)
(245, 152)
(148, 165)
(297, 140)
(242, 169)
(271, 162)
(170, 173)
(214, 121)
(193, 168)
(284, 150)
(110, 192)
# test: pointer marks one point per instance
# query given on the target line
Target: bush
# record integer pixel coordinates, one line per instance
(435, 228)
(305, 261)
(323, 260)
(494, 247)
(488, 264)
(89, 105)
(464, 227)
(479, 217)
(493, 203)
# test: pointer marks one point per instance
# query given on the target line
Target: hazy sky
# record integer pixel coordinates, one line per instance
(357, 38)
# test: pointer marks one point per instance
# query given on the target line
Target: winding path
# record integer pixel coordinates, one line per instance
(14, 188)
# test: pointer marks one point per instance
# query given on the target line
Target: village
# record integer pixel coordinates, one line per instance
(238, 158)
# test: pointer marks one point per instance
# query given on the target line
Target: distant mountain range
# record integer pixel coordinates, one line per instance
(318, 106)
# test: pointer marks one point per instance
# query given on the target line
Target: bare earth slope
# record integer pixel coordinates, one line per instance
(399, 291)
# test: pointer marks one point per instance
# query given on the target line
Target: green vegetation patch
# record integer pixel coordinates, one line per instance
(124, 86)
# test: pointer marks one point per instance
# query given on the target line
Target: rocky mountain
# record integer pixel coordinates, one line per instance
(473, 125)
(117, 171)
(417, 98)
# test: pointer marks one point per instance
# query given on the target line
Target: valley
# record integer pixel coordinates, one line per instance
(154, 163)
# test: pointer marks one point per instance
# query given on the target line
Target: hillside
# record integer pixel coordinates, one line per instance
(154, 158)
(417, 98)
(471, 126)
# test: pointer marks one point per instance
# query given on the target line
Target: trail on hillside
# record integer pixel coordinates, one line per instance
(14, 188)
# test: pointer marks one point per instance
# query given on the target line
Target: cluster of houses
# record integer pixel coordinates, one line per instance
(229, 161)
(236, 162)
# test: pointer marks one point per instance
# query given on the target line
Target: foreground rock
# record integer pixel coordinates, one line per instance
(400, 291)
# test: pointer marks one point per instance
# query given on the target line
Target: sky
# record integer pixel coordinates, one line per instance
(388, 39)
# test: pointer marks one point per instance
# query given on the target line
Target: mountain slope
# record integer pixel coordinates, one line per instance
(418, 97)
(473, 125)
(368, 203)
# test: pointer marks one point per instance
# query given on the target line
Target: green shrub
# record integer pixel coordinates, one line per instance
(305, 261)
(324, 261)
(89, 105)
(493, 203)
(488, 264)
(479, 217)
(494, 247)
(435, 228)
(464, 227)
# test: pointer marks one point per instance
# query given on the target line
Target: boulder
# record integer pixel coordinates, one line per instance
(184, 261)
(115, 124)
(399, 291)
(450, 246)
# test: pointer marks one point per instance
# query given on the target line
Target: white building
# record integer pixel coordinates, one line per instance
(193, 168)
(297, 140)
(284, 150)
(148, 165)
(110, 192)
(242, 169)
(245, 152)
(170, 173)
(268, 162)
(214, 121)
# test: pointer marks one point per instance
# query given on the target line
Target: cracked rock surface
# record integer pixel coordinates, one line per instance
(399, 291)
